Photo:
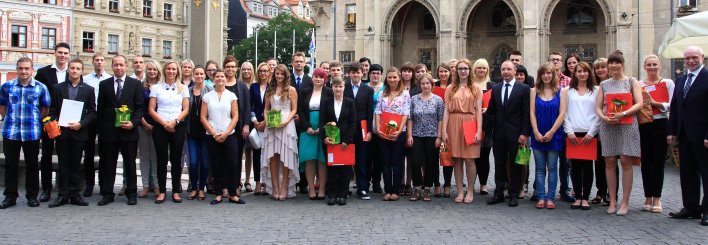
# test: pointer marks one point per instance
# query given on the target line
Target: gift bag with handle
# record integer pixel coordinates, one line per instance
(445, 156)
(523, 155)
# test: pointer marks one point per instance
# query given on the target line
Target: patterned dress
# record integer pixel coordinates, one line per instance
(619, 139)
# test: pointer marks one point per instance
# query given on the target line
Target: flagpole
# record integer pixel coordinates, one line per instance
(293, 41)
(255, 61)
(275, 44)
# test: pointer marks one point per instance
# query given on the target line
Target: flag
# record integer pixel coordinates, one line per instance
(312, 52)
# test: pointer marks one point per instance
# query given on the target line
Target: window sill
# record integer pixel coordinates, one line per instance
(147, 55)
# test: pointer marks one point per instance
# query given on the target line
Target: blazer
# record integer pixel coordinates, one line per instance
(364, 103)
(511, 120)
(131, 96)
(244, 104)
(346, 122)
(257, 104)
(88, 113)
(305, 83)
(48, 76)
(688, 115)
(303, 106)
(202, 92)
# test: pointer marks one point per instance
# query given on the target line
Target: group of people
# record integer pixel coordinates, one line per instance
(396, 119)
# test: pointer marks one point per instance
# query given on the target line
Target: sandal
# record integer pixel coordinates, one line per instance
(394, 197)
(646, 208)
(386, 197)
(656, 209)
(415, 196)
(437, 192)
(426, 195)
(201, 196)
(248, 187)
(446, 192)
(191, 197)
(540, 204)
(550, 205)
(596, 200)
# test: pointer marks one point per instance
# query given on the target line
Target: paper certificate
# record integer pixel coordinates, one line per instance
(70, 112)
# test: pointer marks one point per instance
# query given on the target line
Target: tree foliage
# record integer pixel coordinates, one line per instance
(284, 24)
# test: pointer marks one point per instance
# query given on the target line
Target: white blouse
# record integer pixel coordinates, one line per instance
(581, 116)
(338, 107)
(315, 102)
(219, 110)
(670, 86)
(169, 101)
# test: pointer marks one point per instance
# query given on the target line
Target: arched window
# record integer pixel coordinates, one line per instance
(503, 17)
(580, 14)
(499, 55)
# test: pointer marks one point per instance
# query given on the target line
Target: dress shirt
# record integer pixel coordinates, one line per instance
(219, 110)
(115, 83)
(169, 101)
(355, 88)
(338, 108)
(23, 119)
(73, 90)
(139, 79)
(298, 79)
(504, 88)
(563, 80)
(695, 75)
(61, 74)
(94, 79)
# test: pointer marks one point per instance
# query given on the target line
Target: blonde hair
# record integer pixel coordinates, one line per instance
(257, 78)
(651, 56)
(253, 73)
(178, 77)
(154, 63)
(477, 64)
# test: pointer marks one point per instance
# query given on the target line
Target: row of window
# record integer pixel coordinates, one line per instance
(167, 8)
(89, 39)
(18, 37)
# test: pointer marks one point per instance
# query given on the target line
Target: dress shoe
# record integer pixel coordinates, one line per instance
(32, 202)
(78, 201)
(342, 201)
(105, 201)
(331, 201)
(513, 201)
(376, 188)
(495, 200)
(88, 191)
(704, 221)
(132, 200)
(46, 195)
(240, 201)
(176, 200)
(8, 203)
(60, 201)
(565, 196)
(685, 214)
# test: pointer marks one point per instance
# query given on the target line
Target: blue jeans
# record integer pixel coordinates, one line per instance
(546, 160)
(198, 162)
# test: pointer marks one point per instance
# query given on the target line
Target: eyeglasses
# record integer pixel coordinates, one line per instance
(463, 69)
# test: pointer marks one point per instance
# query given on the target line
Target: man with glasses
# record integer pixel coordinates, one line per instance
(299, 79)
(556, 60)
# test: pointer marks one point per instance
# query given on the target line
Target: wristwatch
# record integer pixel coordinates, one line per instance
(624, 114)
(177, 121)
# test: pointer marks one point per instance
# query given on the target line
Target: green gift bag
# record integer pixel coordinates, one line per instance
(122, 115)
(274, 118)
(523, 155)
(332, 131)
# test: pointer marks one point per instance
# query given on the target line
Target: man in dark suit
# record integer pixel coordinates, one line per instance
(71, 142)
(509, 104)
(51, 75)
(364, 101)
(688, 122)
(113, 93)
(299, 79)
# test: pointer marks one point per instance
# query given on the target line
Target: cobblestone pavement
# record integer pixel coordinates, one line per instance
(301, 221)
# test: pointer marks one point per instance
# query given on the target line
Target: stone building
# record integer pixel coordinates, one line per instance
(260, 11)
(31, 28)
(391, 32)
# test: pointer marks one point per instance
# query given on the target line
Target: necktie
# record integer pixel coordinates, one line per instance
(120, 87)
(298, 82)
(506, 93)
(687, 85)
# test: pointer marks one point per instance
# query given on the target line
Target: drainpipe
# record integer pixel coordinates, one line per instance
(334, 47)
(639, 38)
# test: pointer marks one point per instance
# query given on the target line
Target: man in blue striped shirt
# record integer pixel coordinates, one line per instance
(23, 103)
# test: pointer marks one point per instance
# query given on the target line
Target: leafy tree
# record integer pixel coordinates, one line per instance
(284, 24)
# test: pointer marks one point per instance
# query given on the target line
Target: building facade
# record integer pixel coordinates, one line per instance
(391, 32)
(260, 11)
(32, 28)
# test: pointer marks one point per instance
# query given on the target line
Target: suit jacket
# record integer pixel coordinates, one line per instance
(48, 76)
(88, 113)
(346, 122)
(688, 115)
(244, 104)
(257, 104)
(131, 96)
(364, 103)
(511, 119)
(305, 83)
(303, 106)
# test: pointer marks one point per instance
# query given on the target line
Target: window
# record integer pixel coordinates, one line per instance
(428, 27)
(87, 41)
(88, 4)
(688, 5)
(346, 56)
(167, 49)
(19, 36)
(580, 15)
(307, 13)
(49, 38)
(113, 6)
(168, 11)
(426, 57)
(351, 16)
(502, 16)
(112, 44)
(147, 8)
(587, 52)
(147, 47)
(50, 1)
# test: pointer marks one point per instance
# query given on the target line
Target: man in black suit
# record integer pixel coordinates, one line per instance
(688, 122)
(71, 142)
(364, 101)
(113, 93)
(299, 79)
(51, 75)
(509, 104)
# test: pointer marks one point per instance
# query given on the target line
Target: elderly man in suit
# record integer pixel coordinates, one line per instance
(73, 138)
(688, 123)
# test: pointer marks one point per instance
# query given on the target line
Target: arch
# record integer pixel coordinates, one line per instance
(392, 11)
(551, 6)
(469, 7)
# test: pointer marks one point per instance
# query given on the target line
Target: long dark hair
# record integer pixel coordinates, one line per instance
(567, 71)
(591, 76)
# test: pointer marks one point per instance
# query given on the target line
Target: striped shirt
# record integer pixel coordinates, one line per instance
(23, 119)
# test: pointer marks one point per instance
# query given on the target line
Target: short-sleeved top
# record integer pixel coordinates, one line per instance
(219, 110)
(426, 114)
(169, 100)
(461, 101)
(400, 105)
(23, 119)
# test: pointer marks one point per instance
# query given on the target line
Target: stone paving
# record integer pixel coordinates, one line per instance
(302, 221)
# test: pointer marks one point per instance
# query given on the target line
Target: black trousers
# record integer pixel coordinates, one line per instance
(168, 146)
(447, 175)
(45, 162)
(361, 167)
(241, 142)
(69, 153)
(653, 143)
(506, 150)
(373, 161)
(225, 168)
(693, 172)
(581, 175)
(256, 166)
(11, 149)
(483, 165)
(89, 154)
(424, 151)
(338, 181)
(107, 166)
